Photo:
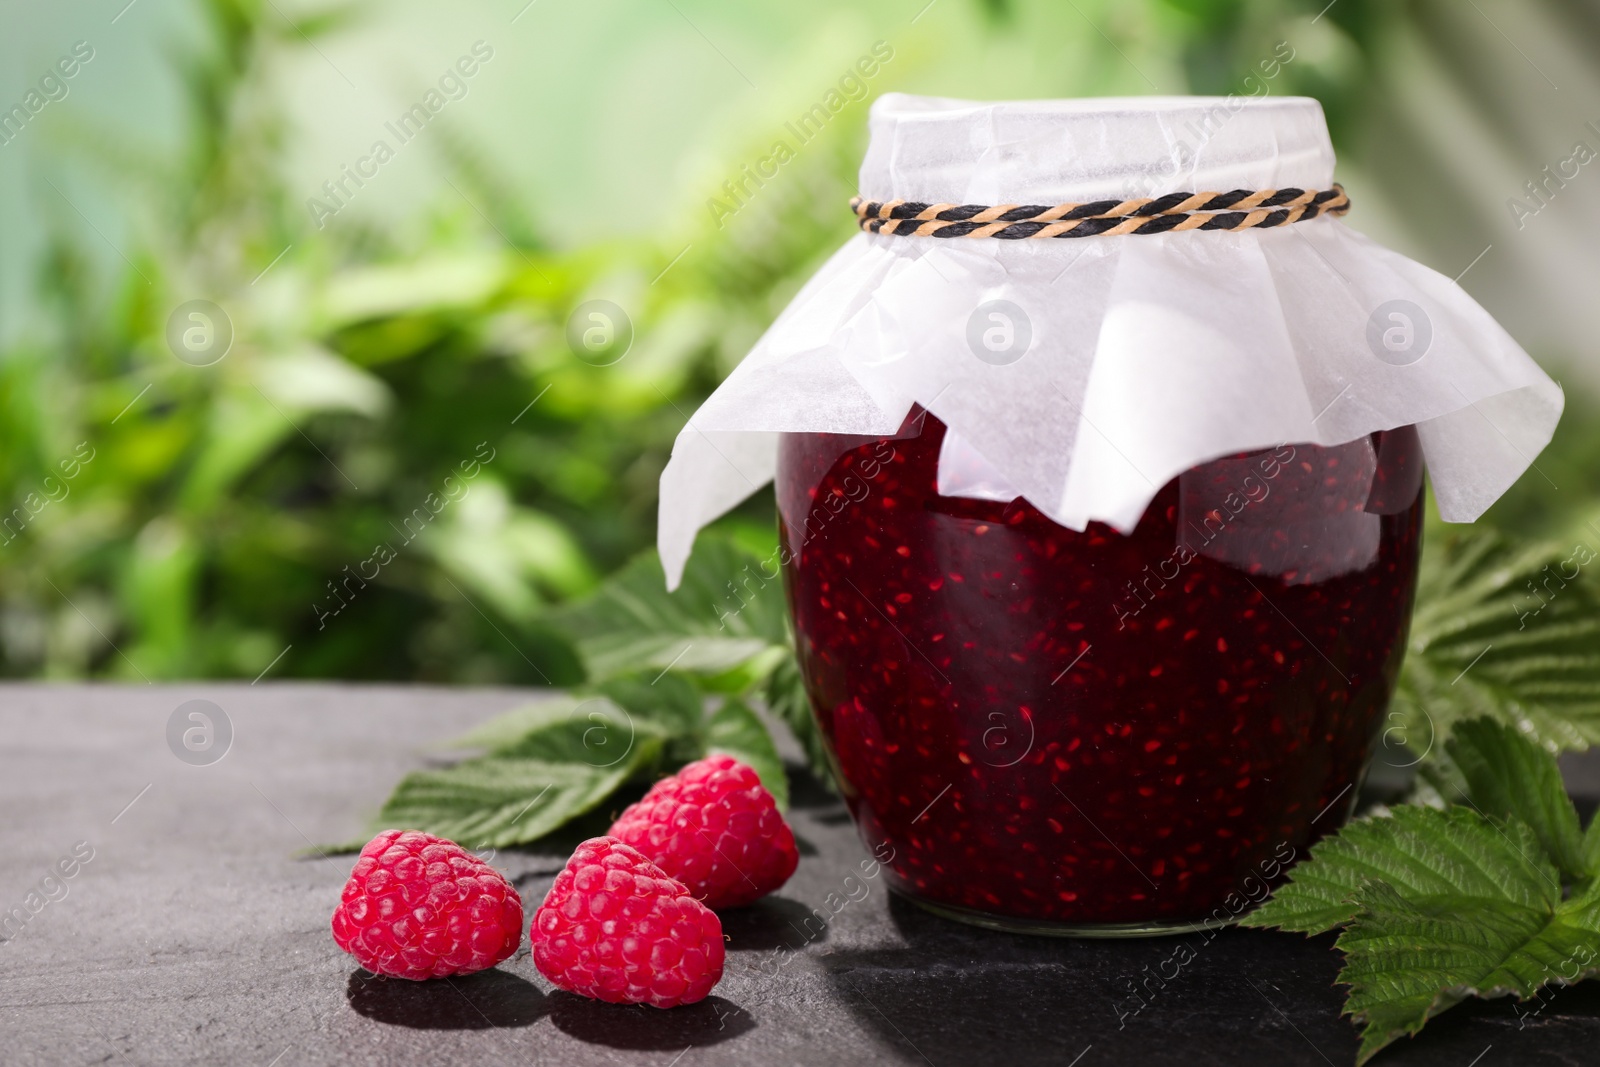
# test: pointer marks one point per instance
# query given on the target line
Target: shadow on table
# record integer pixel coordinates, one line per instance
(772, 922)
(639, 1027)
(956, 994)
(953, 994)
(950, 994)
(482, 1001)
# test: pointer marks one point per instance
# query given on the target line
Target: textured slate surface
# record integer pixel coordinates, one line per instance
(194, 935)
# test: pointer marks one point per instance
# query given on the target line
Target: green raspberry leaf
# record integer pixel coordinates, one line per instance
(591, 731)
(1441, 905)
(1508, 775)
(1420, 852)
(1503, 629)
(729, 609)
(662, 697)
(499, 801)
(1410, 957)
(1591, 846)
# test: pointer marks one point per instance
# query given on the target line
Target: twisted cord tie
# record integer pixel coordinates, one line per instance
(1241, 209)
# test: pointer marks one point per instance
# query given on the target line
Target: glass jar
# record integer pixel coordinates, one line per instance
(1095, 733)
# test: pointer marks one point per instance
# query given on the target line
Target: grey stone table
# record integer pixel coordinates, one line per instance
(194, 934)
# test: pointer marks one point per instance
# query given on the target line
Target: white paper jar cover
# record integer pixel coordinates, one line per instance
(1139, 356)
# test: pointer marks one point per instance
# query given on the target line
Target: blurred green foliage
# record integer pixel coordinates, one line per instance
(308, 489)
(273, 501)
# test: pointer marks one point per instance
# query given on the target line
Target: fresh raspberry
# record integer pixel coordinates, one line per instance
(614, 927)
(715, 828)
(417, 906)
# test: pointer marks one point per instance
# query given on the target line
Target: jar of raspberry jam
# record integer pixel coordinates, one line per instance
(1099, 457)
(1090, 732)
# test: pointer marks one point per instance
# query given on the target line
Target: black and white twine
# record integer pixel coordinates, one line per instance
(1241, 209)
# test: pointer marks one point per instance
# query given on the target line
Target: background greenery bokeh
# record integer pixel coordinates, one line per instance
(411, 333)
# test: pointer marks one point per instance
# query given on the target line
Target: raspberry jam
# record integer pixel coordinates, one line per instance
(1091, 732)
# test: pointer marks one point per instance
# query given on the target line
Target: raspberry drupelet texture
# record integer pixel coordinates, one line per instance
(715, 828)
(614, 927)
(417, 906)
